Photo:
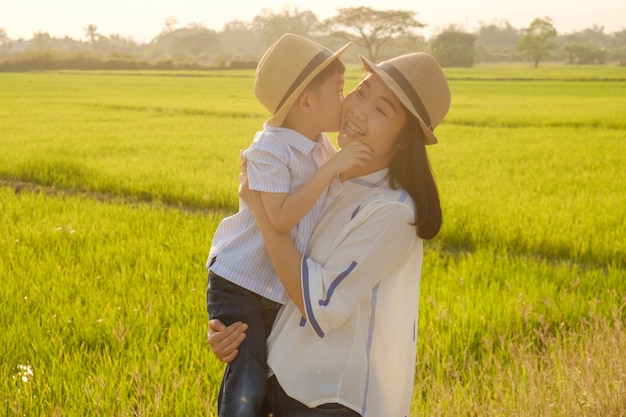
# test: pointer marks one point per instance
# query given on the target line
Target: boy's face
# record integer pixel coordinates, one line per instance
(328, 101)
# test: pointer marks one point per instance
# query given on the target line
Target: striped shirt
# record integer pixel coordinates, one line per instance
(360, 285)
(280, 160)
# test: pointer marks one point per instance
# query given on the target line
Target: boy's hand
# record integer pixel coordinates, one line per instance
(225, 340)
(353, 154)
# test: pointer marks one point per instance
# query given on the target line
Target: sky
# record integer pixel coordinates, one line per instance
(143, 20)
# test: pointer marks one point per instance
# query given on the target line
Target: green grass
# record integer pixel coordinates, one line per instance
(105, 303)
(112, 184)
(549, 192)
(149, 137)
(545, 71)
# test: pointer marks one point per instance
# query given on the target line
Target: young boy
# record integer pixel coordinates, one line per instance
(291, 161)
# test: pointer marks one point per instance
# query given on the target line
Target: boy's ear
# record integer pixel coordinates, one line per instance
(304, 102)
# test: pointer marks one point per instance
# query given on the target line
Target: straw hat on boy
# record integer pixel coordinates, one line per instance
(286, 69)
(418, 81)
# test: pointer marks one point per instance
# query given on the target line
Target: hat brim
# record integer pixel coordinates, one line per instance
(279, 117)
(429, 136)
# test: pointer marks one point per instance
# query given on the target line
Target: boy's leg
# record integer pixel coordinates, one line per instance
(285, 406)
(244, 383)
(270, 310)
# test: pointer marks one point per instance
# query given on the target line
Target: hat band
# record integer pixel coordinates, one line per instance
(317, 60)
(408, 89)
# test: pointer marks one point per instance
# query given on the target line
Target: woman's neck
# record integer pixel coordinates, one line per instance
(373, 165)
(358, 171)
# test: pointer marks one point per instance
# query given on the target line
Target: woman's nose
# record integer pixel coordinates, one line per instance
(358, 111)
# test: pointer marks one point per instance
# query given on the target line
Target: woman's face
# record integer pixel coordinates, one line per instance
(373, 115)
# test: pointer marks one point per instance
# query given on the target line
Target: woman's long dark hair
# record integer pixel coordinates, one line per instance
(410, 169)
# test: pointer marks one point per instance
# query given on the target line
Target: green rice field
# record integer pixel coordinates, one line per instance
(113, 183)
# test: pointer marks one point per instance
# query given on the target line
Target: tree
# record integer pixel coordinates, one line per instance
(497, 35)
(170, 25)
(91, 31)
(584, 54)
(618, 45)
(241, 44)
(455, 48)
(537, 40)
(497, 42)
(272, 26)
(369, 28)
(41, 41)
(194, 43)
(5, 43)
(4, 38)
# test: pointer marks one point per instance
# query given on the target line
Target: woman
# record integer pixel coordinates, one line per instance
(347, 339)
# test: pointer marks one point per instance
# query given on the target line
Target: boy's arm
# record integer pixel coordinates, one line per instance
(286, 210)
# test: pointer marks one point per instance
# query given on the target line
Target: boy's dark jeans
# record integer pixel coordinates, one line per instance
(244, 383)
(285, 406)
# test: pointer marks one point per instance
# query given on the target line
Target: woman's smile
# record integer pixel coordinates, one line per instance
(352, 129)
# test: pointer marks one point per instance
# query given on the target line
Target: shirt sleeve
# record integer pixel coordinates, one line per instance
(377, 242)
(268, 165)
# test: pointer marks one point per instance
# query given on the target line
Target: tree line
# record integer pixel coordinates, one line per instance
(377, 34)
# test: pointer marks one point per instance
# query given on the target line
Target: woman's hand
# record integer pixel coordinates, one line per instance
(224, 340)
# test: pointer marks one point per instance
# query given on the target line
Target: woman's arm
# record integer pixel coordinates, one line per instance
(376, 241)
(354, 258)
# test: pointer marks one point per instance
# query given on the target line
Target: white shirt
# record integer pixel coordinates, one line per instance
(360, 285)
(280, 160)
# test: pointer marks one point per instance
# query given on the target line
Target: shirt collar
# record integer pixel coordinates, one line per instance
(295, 139)
(373, 179)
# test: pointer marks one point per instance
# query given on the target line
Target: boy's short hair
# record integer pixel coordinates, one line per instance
(335, 67)
(286, 69)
